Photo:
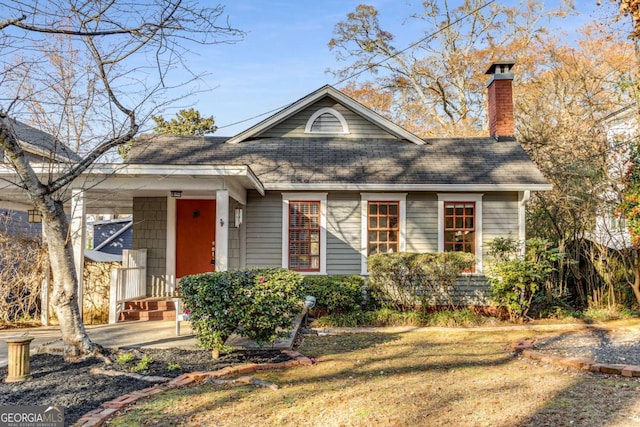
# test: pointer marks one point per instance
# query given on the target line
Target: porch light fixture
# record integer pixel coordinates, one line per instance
(238, 217)
(34, 216)
(176, 194)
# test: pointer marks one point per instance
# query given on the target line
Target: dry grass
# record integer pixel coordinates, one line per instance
(405, 379)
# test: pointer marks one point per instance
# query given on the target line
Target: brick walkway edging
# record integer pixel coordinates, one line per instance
(526, 348)
(98, 416)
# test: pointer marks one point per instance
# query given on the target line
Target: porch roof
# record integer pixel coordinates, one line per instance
(110, 188)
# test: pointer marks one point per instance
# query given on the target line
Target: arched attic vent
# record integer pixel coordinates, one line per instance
(327, 120)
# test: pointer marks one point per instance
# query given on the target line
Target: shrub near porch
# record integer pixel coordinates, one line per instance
(258, 304)
(335, 293)
(405, 280)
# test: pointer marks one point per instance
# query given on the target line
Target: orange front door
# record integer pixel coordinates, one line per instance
(195, 236)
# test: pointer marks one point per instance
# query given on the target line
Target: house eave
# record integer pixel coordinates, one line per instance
(120, 170)
(405, 187)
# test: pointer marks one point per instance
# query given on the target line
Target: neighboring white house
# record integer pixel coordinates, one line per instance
(622, 130)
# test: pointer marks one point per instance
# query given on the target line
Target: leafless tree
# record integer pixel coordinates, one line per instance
(131, 52)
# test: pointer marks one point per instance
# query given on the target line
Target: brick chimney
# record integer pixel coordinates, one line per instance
(500, 96)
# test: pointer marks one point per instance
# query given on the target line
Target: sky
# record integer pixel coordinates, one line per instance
(285, 53)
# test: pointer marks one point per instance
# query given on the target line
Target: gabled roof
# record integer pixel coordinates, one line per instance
(313, 97)
(40, 143)
(454, 164)
(283, 158)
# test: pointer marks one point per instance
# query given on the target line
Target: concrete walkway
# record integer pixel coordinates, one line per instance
(138, 334)
(157, 334)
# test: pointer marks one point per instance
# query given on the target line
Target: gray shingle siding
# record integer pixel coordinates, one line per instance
(343, 233)
(150, 232)
(422, 222)
(234, 257)
(264, 230)
(469, 290)
(499, 216)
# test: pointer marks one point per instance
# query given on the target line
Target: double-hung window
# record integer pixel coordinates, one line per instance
(304, 235)
(460, 225)
(383, 224)
(384, 227)
(304, 232)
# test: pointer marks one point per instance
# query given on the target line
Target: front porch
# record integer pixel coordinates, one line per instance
(151, 194)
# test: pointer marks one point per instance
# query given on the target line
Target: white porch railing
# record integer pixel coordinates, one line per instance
(128, 282)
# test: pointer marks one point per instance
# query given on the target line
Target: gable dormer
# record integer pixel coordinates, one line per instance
(326, 113)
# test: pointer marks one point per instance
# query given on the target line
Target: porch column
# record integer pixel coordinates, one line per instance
(170, 262)
(222, 230)
(78, 238)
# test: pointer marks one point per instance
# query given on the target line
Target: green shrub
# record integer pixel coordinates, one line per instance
(610, 313)
(124, 358)
(465, 317)
(257, 303)
(335, 294)
(403, 281)
(143, 364)
(343, 320)
(545, 306)
(515, 278)
(388, 317)
(379, 317)
(213, 303)
(171, 366)
(440, 272)
(395, 279)
(272, 299)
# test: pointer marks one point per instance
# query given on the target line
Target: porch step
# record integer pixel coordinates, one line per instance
(150, 304)
(148, 309)
(147, 315)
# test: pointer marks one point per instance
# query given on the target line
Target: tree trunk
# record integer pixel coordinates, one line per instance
(65, 284)
(635, 286)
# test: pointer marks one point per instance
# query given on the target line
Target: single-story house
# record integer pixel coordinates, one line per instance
(317, 188)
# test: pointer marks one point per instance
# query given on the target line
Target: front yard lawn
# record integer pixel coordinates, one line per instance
(417, 378)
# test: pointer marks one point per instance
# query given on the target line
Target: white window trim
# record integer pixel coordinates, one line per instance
(523, 198)
(365, 198)
(458, 197)
(322, 198)
(340, 117)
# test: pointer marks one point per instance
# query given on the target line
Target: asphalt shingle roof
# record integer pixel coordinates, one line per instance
(40, 143)
(351, 161)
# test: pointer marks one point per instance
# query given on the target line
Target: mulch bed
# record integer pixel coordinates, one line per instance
(73, 387)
